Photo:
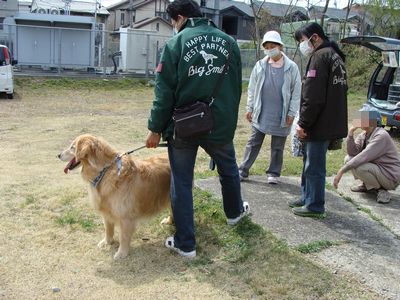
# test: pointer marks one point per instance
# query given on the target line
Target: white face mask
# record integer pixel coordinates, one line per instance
(274, 52)
(305, 47)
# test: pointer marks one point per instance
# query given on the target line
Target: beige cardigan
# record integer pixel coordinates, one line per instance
(380, 150)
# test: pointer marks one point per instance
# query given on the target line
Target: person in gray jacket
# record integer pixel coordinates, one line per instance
(273, 102)
(372, 157)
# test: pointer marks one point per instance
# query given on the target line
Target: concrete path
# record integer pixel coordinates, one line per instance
(367, 232)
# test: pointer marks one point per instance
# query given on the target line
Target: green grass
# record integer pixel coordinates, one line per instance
(370, 214)
(29, 199)
(74, 217)
(236, 243)
(315, 246)
(79, 84)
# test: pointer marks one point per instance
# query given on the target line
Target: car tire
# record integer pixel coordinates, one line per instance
(10, 96)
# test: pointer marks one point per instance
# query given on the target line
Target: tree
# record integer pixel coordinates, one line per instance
(385, 15)
(264, 21)
(348, 8)
(324, 13)
(257, 12)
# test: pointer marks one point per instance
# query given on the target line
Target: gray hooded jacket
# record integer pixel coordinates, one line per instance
(291, 89)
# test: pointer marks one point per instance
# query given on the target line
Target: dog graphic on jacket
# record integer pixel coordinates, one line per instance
(207, 57)
(123, 196)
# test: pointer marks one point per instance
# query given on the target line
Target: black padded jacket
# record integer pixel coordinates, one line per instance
(323, 104)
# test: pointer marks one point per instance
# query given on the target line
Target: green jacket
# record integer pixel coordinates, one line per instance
(190, 66)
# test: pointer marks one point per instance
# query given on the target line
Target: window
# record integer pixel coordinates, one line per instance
(122, 18)
(381, 75)
(203, 3)
(158, 26)
(4, 56)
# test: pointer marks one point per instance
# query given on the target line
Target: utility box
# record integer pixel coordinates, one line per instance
(140, 49)
(54, 40)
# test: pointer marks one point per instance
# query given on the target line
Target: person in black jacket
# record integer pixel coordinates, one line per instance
(323, 114)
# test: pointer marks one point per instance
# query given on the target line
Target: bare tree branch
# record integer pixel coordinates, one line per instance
(324, 12)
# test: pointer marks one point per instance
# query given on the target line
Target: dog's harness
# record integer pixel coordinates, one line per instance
(118, 161)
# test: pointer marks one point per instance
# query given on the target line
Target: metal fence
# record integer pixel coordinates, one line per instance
(249, 59)
(81, 50)
(95, 52)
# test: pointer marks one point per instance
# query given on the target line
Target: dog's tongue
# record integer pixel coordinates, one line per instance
(68, 166)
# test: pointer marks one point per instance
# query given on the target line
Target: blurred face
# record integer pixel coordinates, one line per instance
(364, 120)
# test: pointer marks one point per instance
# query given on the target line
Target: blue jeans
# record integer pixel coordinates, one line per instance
(313, 175)
(182, 156)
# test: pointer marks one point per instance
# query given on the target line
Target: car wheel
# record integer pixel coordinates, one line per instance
(10, 96)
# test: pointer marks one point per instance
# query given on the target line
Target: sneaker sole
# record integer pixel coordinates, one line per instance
(291, 205)
(296, 203)
(169, 244)
(246, 211)
(310, 215)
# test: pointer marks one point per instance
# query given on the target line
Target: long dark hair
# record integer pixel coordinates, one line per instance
(314, 28)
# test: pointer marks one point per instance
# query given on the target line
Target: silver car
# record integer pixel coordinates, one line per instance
(384, 86)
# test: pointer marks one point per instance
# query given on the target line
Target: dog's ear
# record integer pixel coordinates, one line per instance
(83, 147)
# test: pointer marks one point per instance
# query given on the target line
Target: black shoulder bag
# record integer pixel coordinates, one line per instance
(196, 119)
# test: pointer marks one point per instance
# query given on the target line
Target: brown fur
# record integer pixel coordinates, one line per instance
(141, 190)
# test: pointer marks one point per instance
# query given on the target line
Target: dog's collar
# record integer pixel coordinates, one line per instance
(99, 177)
(118, 161)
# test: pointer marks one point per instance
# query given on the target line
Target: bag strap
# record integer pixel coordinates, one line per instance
(221, 76)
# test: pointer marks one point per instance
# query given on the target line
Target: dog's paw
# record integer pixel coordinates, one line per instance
(167, 221)
(120, 254)
(104, 242)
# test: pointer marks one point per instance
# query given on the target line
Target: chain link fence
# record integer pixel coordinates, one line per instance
(80, 51)
(95, 52)
(249, 59)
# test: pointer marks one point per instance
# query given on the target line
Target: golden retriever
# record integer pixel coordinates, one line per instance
(139, 189)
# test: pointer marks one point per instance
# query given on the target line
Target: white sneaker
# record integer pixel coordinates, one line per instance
(272, 180)
(383, 196)
(245, 212)
(169, 243)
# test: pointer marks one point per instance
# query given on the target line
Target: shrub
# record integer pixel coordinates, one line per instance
(360, 64)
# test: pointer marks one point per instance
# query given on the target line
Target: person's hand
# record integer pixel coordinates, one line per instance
(249, 116)
(337, 179)
(300, 132)
(352, 129)
(289, 120)
(153, 139)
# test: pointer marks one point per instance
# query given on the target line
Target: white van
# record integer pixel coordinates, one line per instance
(6, 72)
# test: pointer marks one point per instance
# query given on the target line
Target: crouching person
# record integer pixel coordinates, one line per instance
(372, 157)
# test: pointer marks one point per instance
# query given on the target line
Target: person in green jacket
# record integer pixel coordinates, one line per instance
(190, 66)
